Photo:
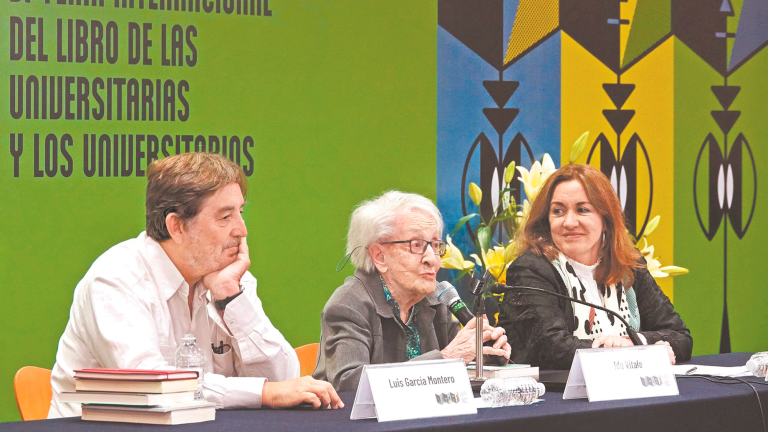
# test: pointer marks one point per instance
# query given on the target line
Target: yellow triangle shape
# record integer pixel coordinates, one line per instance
(535, 19)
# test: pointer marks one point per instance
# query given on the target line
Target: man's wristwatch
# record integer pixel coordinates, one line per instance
(222, 304)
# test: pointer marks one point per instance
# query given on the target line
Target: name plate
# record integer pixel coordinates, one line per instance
(411, 390)
(602, 374)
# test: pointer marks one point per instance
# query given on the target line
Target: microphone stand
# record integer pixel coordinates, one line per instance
(477, 291)
(630, 331)
(479, 312)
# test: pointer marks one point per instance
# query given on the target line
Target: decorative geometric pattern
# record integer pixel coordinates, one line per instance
(650, 24)
(535, 20)
(610, 44)
(753, 32)
(702, 26)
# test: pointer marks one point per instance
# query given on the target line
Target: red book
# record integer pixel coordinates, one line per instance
(135, 374)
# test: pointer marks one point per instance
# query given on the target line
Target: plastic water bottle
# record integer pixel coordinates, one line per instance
(498, 392)
(758, 364)
(526, 391)
(190, 357)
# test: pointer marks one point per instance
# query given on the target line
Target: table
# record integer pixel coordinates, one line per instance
(701, 406)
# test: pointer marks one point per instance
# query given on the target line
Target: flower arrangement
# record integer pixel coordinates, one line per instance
(653, 264)
(497, 258)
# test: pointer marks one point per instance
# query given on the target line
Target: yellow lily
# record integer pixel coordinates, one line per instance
(509, 252)
(578, 147)
(654, 266)
(453, 258)
(652, 225)
(534, 179)
(509, 173)
(493, 259)
(475, 193)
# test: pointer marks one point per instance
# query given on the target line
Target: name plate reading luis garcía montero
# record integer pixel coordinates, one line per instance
(421, 389)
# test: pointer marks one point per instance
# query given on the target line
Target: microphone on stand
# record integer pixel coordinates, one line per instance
(630, 331)
(448, 296)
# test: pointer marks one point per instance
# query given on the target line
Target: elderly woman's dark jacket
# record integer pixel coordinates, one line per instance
(540, 327)
(358, 327)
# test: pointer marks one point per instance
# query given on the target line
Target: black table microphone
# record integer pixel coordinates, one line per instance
(630, 331)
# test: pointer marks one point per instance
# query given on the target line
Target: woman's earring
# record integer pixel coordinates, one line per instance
(603, 238)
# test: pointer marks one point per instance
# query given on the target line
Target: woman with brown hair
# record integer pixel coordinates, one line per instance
(575, 243)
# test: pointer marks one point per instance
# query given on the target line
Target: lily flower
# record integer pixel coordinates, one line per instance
(578, 147)
(547, 167)
(475, 193)
(654, 266)
(534, 179)
(509, 252)
(509, 173)
(493, 259)
(453, 258)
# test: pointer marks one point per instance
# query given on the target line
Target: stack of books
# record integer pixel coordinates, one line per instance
(507, 371)
(139, 396)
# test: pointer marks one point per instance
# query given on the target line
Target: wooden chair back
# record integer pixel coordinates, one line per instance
(32, 386)
(307, 358)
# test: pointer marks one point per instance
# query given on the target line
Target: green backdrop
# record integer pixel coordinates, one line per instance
(339, 98)
(699, 295)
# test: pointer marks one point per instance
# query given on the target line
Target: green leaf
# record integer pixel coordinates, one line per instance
(652, 225)
(461, 222)
(503, 217)
(484, 237)
(578, 147)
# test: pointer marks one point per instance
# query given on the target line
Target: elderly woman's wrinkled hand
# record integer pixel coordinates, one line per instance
(500, 347)
(463, 345)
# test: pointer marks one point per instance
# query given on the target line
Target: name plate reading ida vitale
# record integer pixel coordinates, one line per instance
(420, 389)
(602, 374)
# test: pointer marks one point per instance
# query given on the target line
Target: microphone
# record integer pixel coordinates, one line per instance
(478, 285)
(447, 295)
(630, 331)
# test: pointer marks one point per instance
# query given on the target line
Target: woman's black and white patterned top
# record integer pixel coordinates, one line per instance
(591, 323)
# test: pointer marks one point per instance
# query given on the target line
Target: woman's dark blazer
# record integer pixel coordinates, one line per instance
(540, 327)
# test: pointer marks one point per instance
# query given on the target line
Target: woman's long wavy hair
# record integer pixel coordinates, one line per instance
(618, 255)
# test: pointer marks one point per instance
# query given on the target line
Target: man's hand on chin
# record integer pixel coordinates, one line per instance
(226, 282)
(284, 394)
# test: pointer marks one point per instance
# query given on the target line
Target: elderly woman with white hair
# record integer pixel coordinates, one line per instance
(388, 312)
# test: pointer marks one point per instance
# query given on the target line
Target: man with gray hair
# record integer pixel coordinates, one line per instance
(388, 312)
(188, 273)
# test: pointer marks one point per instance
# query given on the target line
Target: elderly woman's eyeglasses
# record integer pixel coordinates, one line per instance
(419, 246)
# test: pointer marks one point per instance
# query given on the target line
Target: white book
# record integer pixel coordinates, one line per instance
(195, 412)
(124, 386)
(507, 371)
(140, 399)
